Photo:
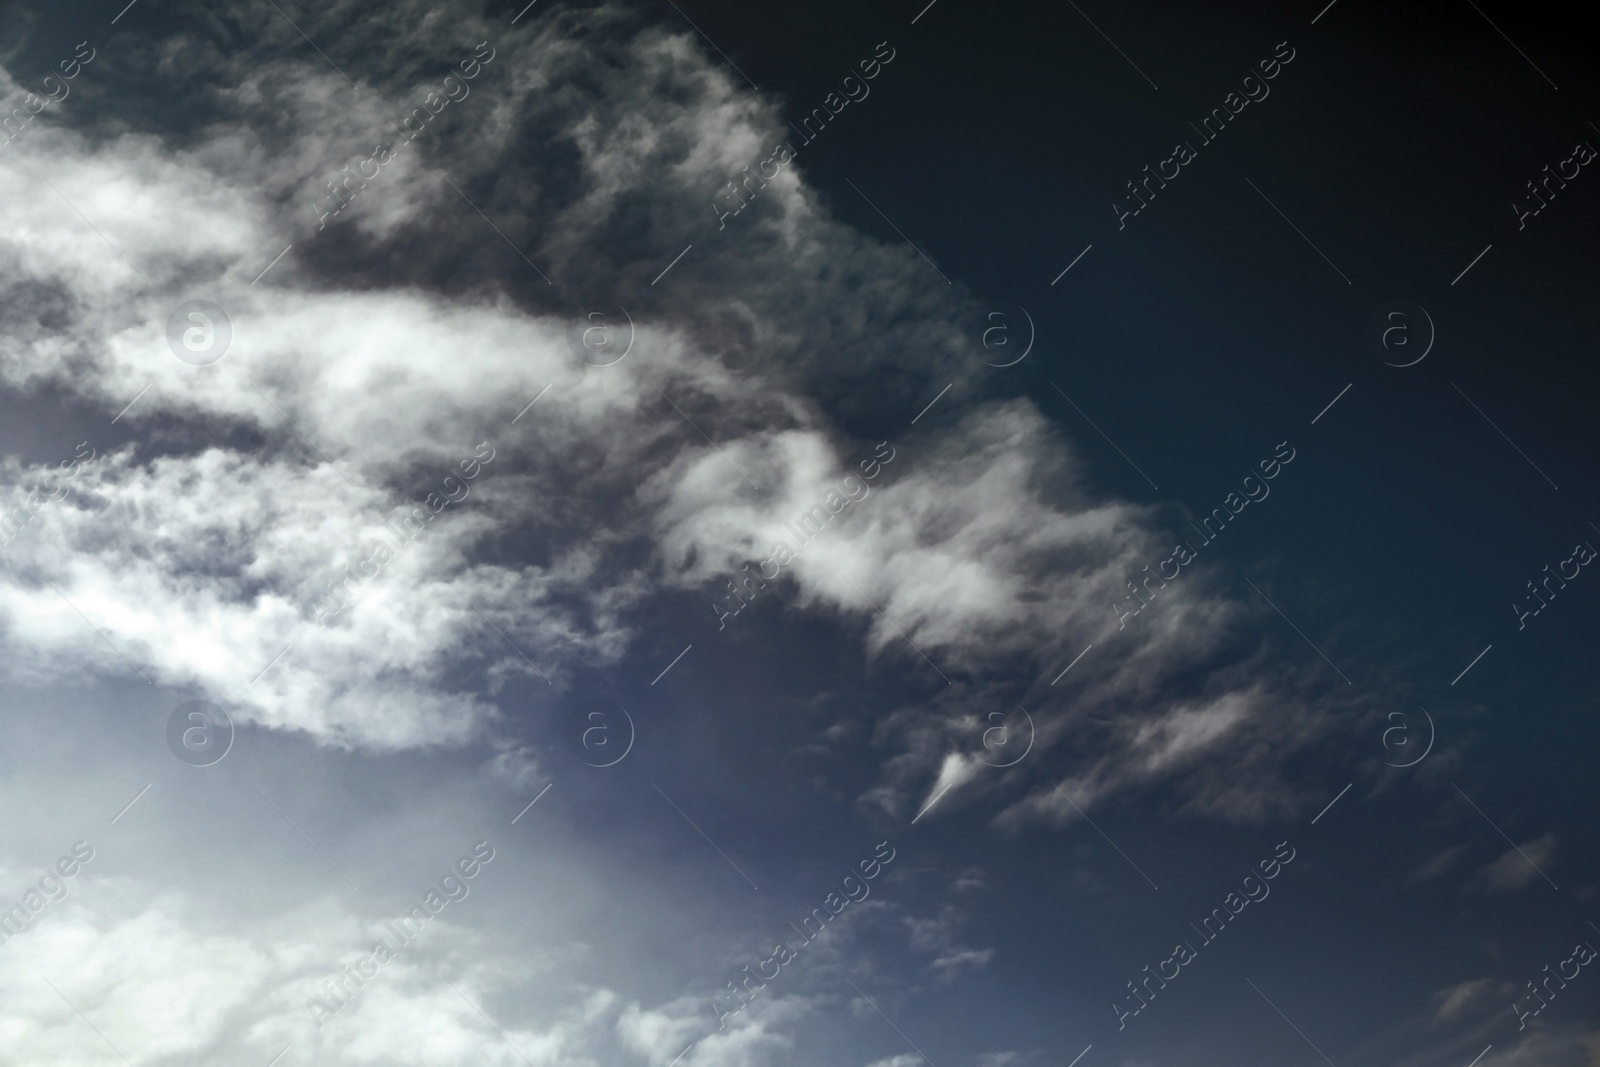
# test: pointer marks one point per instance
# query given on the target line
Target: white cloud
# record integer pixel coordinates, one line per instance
(936, 936)
(1520, 866)
(358, 375)
(1456, 999)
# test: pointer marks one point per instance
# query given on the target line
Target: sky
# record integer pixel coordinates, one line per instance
(603, 533)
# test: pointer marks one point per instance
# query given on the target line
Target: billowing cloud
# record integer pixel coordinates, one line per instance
(361, 384)
(416, 508)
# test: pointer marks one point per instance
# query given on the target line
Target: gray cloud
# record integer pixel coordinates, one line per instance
(362, 372)
(1518, 867)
